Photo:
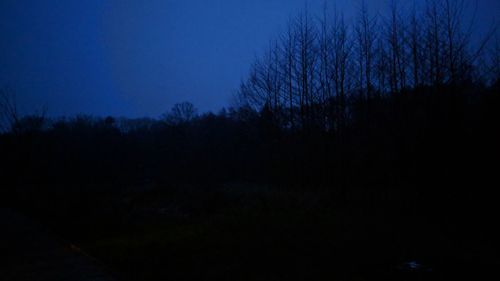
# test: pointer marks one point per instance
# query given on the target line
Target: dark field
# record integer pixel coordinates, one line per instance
(249, 232)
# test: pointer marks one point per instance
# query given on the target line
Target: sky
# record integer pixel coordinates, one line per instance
(139, 57)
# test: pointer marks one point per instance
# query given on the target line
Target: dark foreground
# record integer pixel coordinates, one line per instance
(31, 253)
(245, 232)
(403, 189)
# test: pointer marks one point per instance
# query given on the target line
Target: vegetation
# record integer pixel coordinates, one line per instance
(355, 148)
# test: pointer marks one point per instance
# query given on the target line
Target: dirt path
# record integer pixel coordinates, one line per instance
(28, 252)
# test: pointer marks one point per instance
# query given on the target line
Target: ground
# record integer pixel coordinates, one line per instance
(30, 252)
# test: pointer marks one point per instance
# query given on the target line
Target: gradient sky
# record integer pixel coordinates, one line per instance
(139, 57)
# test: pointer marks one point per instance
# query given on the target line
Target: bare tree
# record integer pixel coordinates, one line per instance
(288, 43)
(9, 114)
(341, 52)
(264, 86)
(395, 36)
(366, 35)
(181, 113)
(434, 43)
(317, 66)
(382, 69)
(494, 62)
(305, 66)
(12, 121)
(456, 40)
(414, 45)
(325, 58)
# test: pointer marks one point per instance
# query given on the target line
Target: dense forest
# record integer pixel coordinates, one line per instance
(363, 144)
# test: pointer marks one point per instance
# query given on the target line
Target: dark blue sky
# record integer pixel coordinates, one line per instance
(137, 57)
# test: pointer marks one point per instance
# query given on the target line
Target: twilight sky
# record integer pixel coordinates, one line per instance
(139, 57)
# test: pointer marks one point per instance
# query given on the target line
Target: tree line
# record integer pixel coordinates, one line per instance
(331, 105)
(315, 71)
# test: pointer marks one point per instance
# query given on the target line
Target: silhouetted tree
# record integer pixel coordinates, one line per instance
(181, 113)
(320, 68)
(395, 36)
(9, 114)
(366, 36)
